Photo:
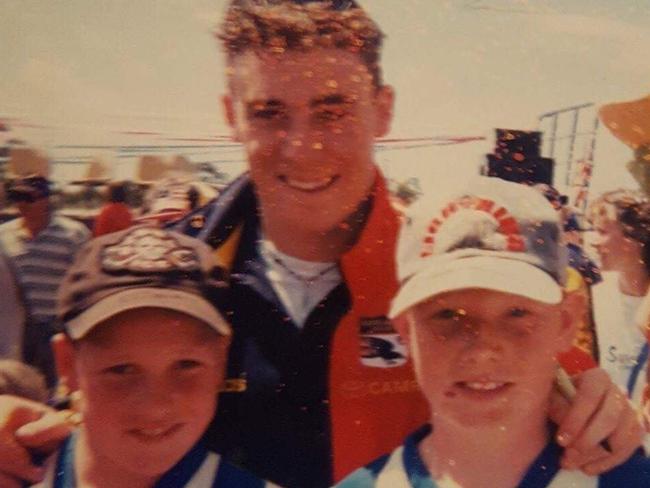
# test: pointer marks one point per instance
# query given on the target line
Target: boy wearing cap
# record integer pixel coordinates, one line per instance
(146, 349)
(483, 309)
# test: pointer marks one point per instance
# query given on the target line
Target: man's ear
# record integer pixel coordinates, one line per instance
(228, 105)
(384, 102)
(64, 360)
(574, 308)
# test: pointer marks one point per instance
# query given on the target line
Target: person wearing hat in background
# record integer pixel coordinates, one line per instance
(41, 246)
(145, 349)
(309, 237)
(115, 215)
(484, 310)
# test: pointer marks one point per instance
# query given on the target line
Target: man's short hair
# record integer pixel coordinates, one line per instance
(279, 25)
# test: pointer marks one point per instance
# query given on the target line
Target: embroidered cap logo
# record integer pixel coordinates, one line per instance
(472, 222)
(149, 250)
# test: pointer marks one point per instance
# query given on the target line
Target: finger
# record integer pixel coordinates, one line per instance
(9, 482)
(15, 461)
(603, 423)
(558, 406)
(591, 389)
(645, 416)
(623, 442)
(574, 459)
(46, 433)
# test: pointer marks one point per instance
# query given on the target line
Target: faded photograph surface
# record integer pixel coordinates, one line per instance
(316, 243)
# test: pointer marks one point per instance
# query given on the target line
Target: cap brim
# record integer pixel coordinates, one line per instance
(179, 301)
(491, 273)
(169, 205)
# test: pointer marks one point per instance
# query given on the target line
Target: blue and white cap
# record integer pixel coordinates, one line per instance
(491, 234)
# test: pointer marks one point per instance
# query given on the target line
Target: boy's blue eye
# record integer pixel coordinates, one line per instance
(449, 314)
(518, 312)
(187, 364)
(121, 369)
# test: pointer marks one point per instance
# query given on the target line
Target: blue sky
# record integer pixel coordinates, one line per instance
(88, 70)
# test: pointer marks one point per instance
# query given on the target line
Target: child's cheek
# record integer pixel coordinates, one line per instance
(195, 383)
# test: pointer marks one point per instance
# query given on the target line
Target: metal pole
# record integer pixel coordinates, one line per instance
(553, 136)
(576, 114)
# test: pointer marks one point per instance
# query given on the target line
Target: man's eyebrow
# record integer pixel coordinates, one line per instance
(335, 99)
(271, 103)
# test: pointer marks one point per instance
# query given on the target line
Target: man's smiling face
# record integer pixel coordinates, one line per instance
(307, 120)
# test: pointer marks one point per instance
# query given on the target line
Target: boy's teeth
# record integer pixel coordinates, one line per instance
(484, 386)
(309, 185)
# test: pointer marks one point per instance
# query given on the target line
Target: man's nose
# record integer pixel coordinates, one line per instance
(301, 139)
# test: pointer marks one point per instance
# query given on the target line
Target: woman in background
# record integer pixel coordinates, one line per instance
(621, 220)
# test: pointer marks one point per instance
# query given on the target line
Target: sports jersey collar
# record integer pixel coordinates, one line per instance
(539, 475)
(184, 470)
(179, 475)
(416, 470)
(64, 476)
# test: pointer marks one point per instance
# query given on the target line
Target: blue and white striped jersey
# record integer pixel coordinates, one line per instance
(199, 468)
(404, 468)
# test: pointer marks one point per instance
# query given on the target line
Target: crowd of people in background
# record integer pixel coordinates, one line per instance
(317, 345)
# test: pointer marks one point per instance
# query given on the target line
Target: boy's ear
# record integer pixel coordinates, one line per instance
(231, 119)
(64, 360)
(573, 313)
(384, 100)
(402, 326)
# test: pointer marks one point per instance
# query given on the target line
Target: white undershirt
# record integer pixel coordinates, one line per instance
(304, 286)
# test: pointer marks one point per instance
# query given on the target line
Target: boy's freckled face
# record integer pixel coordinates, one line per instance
(308, 121)
(483, 356)
(149, 380)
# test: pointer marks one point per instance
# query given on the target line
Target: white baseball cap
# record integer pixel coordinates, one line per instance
(491, 234)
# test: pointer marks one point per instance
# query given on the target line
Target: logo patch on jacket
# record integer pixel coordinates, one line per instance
(381, 345)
